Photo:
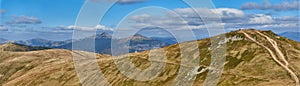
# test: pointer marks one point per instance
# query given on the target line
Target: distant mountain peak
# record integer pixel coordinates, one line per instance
(39, 39)
(103, 35)
(139, 37)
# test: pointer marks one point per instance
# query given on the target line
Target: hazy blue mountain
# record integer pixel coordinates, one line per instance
(2, 40)
(35, 42)
(291, 35)
(103, 43)
(141, 43)
(43, 42)
(168, 40)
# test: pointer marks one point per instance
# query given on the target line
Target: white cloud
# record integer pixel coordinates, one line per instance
(281, 26)
(186, 18)
(2, 11)
(121, 1)
(102, 27)
(130, 1)
(287, 19)
(24, 20)
(283, 6)
(141, 18)
(73, 27)
(223, 12)
(231, 19)
(229, 12)
(261, 19)
(3, 28)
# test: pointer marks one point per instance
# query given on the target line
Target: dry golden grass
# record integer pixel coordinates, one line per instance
(247, 64)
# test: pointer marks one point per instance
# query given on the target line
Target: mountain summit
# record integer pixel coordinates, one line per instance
(103, 35)
(139, 37)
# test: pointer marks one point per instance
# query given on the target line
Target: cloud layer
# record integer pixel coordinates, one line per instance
(284, 6)
(186, 18)
(24, 20)
(2, 11)
(232, 19)
(261, 19)
(3, 28)
(121, 1)
(130, 1)
(73, 27)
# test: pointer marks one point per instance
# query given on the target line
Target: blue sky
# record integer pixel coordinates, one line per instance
(55, 19)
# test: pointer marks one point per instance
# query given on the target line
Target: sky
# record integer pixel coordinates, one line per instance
(56, 19)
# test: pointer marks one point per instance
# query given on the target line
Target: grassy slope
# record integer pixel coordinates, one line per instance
(246, 64)
(19, 47)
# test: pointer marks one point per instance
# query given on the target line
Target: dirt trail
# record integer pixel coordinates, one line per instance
(274, 57)
(275, 45)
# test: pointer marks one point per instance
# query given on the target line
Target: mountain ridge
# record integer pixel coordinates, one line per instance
(15, 47)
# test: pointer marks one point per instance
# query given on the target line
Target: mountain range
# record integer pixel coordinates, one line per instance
(253, 58)
(2, 40)
(103, 41)
(169, 40)
(292, 35)
(43, 42)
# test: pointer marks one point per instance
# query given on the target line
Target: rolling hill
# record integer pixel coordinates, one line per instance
(253, 58)
(19, 47)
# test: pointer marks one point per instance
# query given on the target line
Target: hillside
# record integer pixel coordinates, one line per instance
(253, 58)
(19, 47)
